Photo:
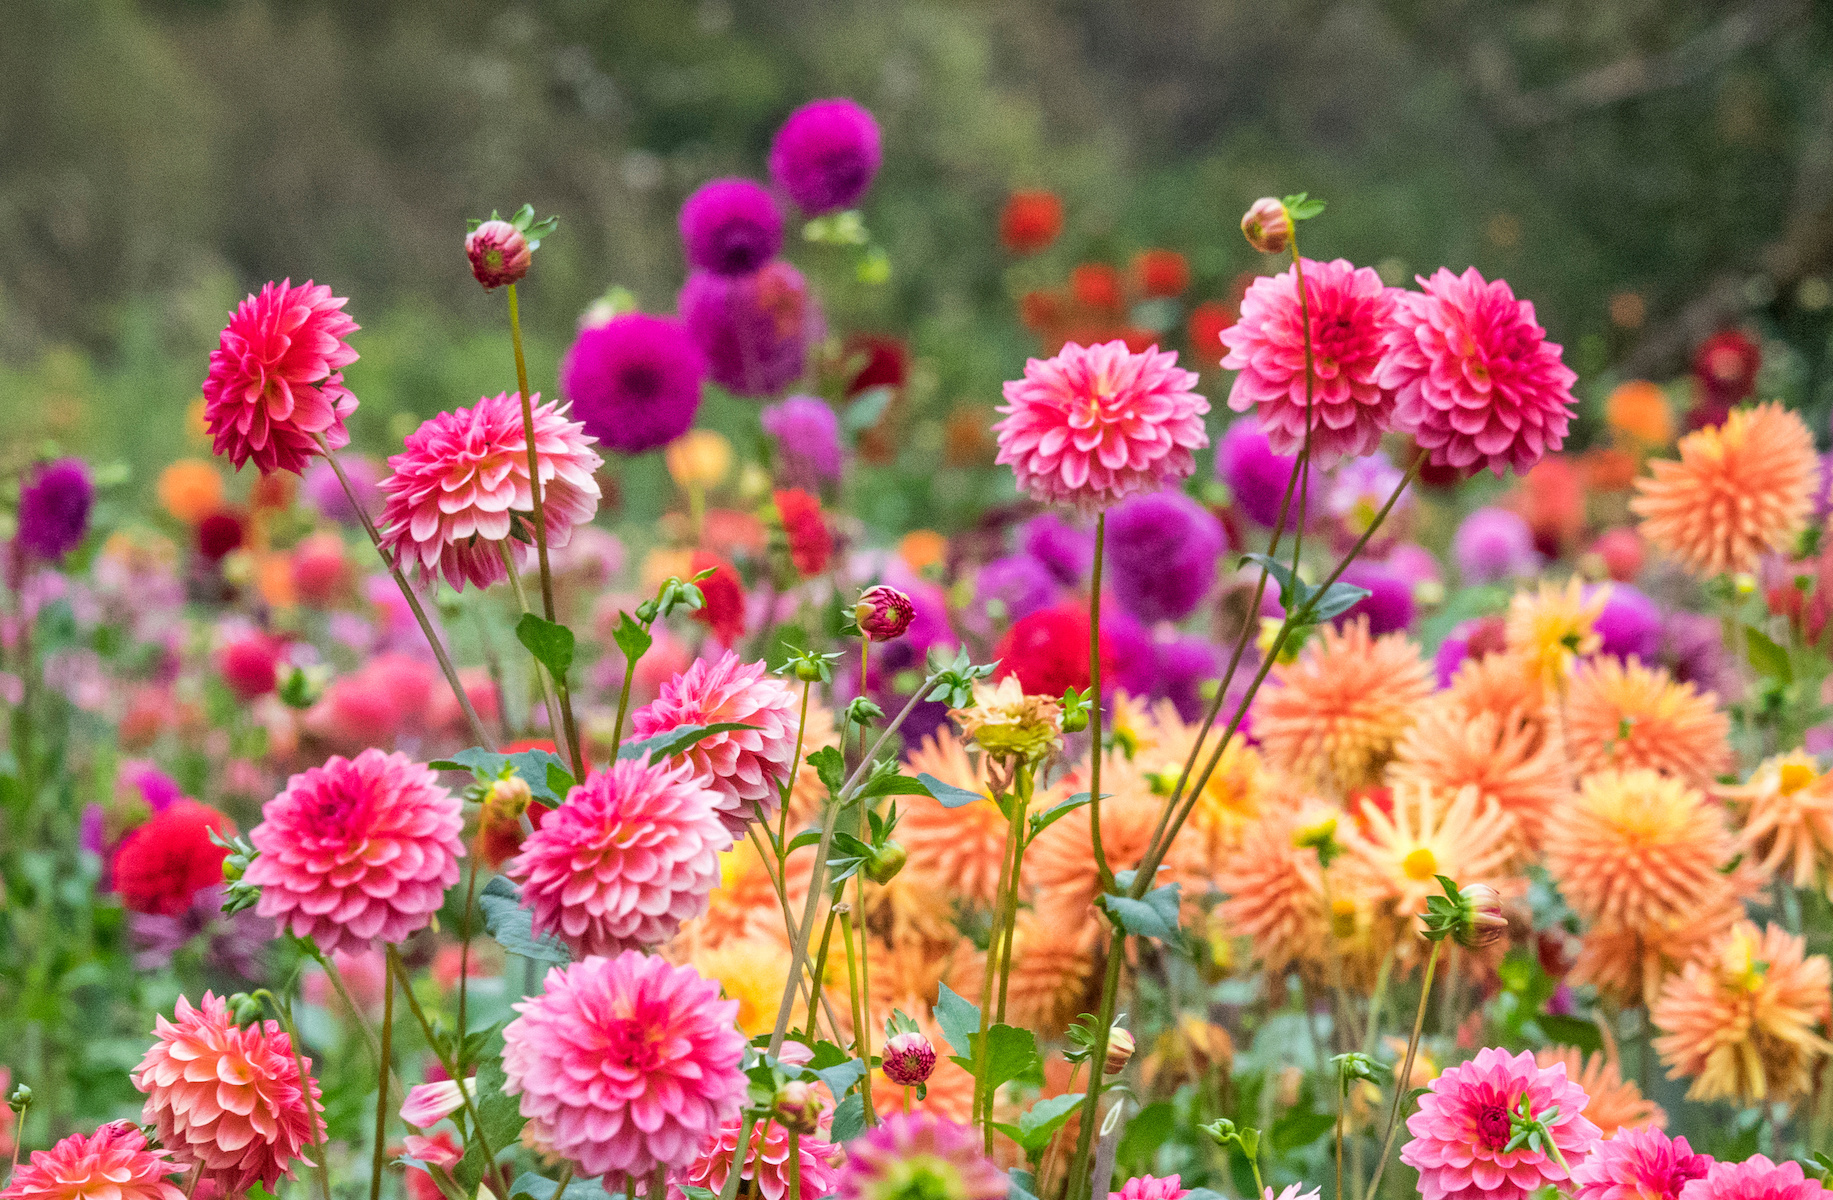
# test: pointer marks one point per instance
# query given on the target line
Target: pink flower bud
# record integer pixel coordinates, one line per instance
(1483, 922)
(909, 1058)
(798, 1107)
(883, 613)
(1119, 1050)
(1268, 226)
(498, 252)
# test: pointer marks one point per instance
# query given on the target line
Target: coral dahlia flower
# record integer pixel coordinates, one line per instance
(1625, 715)
(1787, 810)
(1630, 964)
(276, 379)
(358, 852)
(1756, 1178)
(917, 1154)
(1350, 408)
(1637, 1164)
(1463, 1127)
(1616, 1103)
(631, 854)
(1273, 889)
(229, 1097)
(1739, 491)
(462, 485)
(766, 1162)
(962, 847)
(1507, 757)
(113, 1163)
(627, 1063)
(1095, 424)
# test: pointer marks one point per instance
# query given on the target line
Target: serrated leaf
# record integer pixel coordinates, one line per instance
(536, 768)
(947, 794)
(1154, 915)
(1037, 1124)
(676, 741)
(830, 768)
(631, 638)
(959, 1019)
(550, 643)
(840, 1076)
(827, 1054)
(1011, 1054)
(513, 926)
(500, 1116)
(849, 1119)
(1766, 657)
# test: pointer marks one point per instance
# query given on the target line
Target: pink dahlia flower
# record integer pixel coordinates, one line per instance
(358, 852)
(767, 1162)
(1463, 1125)
(1152, 1187)
(919, 1154)
(1756, 1178)
(112, 1163)
(276, 378)
(745, 766)
(462, 485)
(1637, 1163)
(1097, 423)
(632, 853)
(1478, 383)
(228, 1096)
(1349, 308)
(1293, 1191)
(626, 1063)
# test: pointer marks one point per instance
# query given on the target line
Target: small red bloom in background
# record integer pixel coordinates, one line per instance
(1622, 553)
(250, 665)
(1161, 272)
(1552, 501)
(1048, 650)
(1138, 340)
(1206, 323)
(1725, 365)
(218, 534)
(1097, 286)
(886, 362)
(1031, 221)
(320, 570)
(724, 611)
(1040, 310)
(162, 864)
(810, 543)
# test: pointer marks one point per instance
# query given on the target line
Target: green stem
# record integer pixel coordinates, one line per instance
(986, 980)
(1094, 713)
(623, 706)
(854, 985)
(356, 1014)
(534, 459)
(464, 950)
(316, 1123)
(388, 1030)
(1377, 1000)
(827, 940)
(453, 1069)
(1078, 1182)
(1404, 1080)
(1009, 908)
(864, 1037)
(742, 1151)
(563, 734)
(795, 1159)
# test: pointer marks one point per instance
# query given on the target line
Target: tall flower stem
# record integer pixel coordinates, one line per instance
(563, 732)
(986, 980)
(534, 460)
(492, 1169)
(464, 949)
(864, 1036)
(1403, 1081)
(623, 707)
(1094, 713)
(1304, 311)
(862, 1020)
(1021, 799)
(315, 1124)
(795, 1157)
(388, 1031)
(740, 1153)
(1078, 1182)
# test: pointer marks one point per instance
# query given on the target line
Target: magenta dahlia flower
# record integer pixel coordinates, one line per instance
(54, 503)
(825, 155)
(276, 378)
(1152, 1187)
(1349, 309)
(744, 767)
(626, 1063)
(767, 1161)
(358, 852)
(755, 329)
(910, 1155)
(731, 227)
(634, 381)
(1097, 423)
(1477, 382)
(112, 1163)
(461, 485)
(1756, 1178)
(1638, 1163)
(632, 853)
(1465, 1121)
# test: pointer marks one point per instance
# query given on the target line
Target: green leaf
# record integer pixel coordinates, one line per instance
(808, 837)
(544, 772)
(1293, 591)
(1037, 1124)
(1011, 1054)
(540, 1187)
(513, 926)
(1766, 657)
(631, 638)
(959, 1019)
(830, 766)
(687, 1189)
(1334, 601)
(827, 1054)
(1145, 1133)
(1154, 916)
(891, 783)
(840, 1076)
(1300, 1127)
(1571, 1031)
(1020, 1184)
(1056, 812)
(499, 1115)
(849, 1119)
(864, 412)
(551, 644)
(947, 794)
(678, 740)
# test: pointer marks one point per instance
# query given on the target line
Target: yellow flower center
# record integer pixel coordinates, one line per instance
(1794, 776)
(1420, 864)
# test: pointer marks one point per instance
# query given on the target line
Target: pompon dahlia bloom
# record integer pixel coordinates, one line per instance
(806, 433)
(755, 329)
(1096, 424)
(1746, 1021)
(1477, 382)
(632, 853)
(766, 1161)
(1637, 1164)
(731, 227)
(826, 154)
(113, 1163)
(54, 503)
(1555, 626)
(634, 382)
(1625, 715)
(276, 378)
(160, 866)
(1151, 1187)
(1332, 718)
(1463, 1125)
(1616, 1103)
(358, 852)
(1162, 549)
(228, 1096)
(626, 1062)
(1756, 1178)
(1787, 810)
(917, 1156)
(1350, 407)
(746, 766)
(462, 484)
(1740, 490)
(811, 545)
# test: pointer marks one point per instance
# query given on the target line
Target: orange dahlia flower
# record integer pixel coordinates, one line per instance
(1630, 965)
(959, 849)
(1553, 627)
(1616, 1103)
(1273, 889)
(1787, 810)
(1625, 715)
(1508, 757)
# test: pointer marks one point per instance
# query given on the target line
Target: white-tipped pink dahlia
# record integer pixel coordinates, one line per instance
(626, 1062)
(1350, 409)
(632, 853)
(228, 1097)
(1478, 383)
(1638, 1163)
(745, 766)
(767, 1162)
(1464, 1125)
(276, 378)
(358, 852)
(112, 1163)
(1095, 424)
(461, 485)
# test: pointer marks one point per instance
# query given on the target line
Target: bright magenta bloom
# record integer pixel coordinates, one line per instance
(1097, 423)
(631, 854)
(1463, 1125)
(1478, 383)
(112, 1163)
(626, 1062)
(746, 766)
(357, 852)
(918, 1155)
(767, 1162)
(1151, 1187)
(1638, 1163)
(1756, 1178)
(1349, 308)
(276, 378)
(462, 484)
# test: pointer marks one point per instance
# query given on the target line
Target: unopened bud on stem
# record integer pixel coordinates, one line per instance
(1268, 226)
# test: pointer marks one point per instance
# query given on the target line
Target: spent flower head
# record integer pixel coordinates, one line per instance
(1007, 723)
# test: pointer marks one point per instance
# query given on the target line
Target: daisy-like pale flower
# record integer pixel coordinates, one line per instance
(1787, 817)
(1740, 490)
(919, 1155)
(1625, 715)
(1461, 835)
(1332, 719)
(1509, 758)
(958, 848)
(766, 1163)
(1637, 1164)
(276, 380)
(1095, 424)
(1006, 723)
(461, 485)
(113, 1163)
(1555, 626)
(1747, 1022)
(1756, 1178)
(1616, 1103)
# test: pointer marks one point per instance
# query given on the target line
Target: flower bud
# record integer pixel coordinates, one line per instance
(808, 670)
(886, 861)
(909, 1059)
(1483, 922)
(508, 799)
(1268, 226)
(883, 613)
(1119, 1050)
(20, 1099)
(498, 252)
(798, 1107)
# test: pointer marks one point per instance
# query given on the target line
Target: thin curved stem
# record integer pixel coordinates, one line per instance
(1403, 1081)
(563, 734)
(492, 1169)
(1094, 713)
(388, 1030)
(534, 459)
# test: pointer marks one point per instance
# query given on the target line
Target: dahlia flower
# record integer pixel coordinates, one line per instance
(744, 767)
(1630, 624)
(751, 972)
(1423, 834)
(1465, 1121)
(53, 512)
(1005, 722)
(1787, 810)
(962, 847)
(631, 854)
(1349, 408)
(917, 1156)
(1476, 380)
(1162, 549)
(1508, 757)
(276, 379)
(1493, 544)
(825, 155)
(1615, 1103)
(498, 252)
(1756, 1178)
(731, 227)
(1273, 889)
(755, 329)
(1626, 715)
(463, 478)
(1740, 490)
(1067, 550)
(1150, 1187)
(766, 1162)
(161, 865)
(1746, 1022)
(1630, 964)
(634, 382)
(1638, 1164)
(628, 1063)
(358, 852)
(229, 1097)
(1095, 424)
(1554, 626)
(1257, 476)
(805, 432)
(113, 1163)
